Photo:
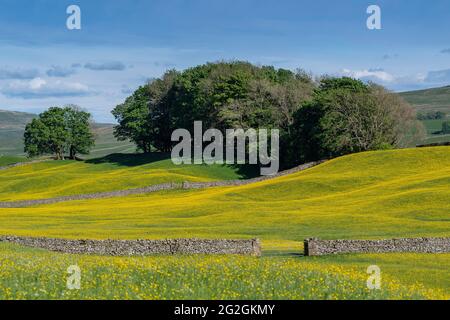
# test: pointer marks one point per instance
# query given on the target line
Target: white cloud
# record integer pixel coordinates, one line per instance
(375, 75)
(42, 88)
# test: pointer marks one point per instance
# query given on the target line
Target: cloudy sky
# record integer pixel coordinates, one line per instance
(122, 44)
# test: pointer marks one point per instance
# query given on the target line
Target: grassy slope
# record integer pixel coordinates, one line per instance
(7, 160)
(370, 195)
(115, 172)
(12, 125)
(436, 99)
(106, 144)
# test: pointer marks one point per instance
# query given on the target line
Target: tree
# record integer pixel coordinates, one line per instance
(431, 115)
(47, 134)
(347, 116)
(132, 117)
(79, 136)
(59, 130)
(446, 127)
(159, 121)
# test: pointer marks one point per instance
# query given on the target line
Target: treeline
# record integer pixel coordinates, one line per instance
(317, 119)
(431, 115)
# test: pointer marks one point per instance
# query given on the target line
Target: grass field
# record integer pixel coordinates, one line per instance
(383, 194)
(115, 172)
(36, 274)
(434, 129)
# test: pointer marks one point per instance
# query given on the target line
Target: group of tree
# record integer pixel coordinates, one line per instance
(347, 116)
(63, 132)
(431, 115)
(317, 118)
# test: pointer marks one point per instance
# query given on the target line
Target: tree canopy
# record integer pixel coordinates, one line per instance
(223, 95)
(59, 131)
(347, 116)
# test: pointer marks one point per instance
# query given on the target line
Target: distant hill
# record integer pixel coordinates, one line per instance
(436, 99)
(14, 120)
(12, 126)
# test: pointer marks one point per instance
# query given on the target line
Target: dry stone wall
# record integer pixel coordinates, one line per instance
(317, 247)
(20, 164)
(437, 144)
(141, 247)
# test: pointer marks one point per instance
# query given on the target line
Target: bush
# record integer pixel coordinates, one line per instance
(446, 127)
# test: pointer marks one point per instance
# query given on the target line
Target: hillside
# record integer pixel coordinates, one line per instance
(12, 126)
(115, 172)
(435, 99)
(369, 195)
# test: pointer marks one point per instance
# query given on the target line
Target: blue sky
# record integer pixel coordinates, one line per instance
(123, 43)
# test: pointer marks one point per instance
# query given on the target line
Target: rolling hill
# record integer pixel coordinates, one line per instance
(383, 194)
(115, 172)
(12, 126)
(368, 195)
(435, 99)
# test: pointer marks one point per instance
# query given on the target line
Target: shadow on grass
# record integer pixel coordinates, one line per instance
(130, 160)
(137, 159)
(282, 253)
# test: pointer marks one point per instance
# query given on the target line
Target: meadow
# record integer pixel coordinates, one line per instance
(35, 274)
(371, 195)
(114, 172)
(433, 130)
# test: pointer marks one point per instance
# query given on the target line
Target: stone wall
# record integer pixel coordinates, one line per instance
(200, 185)
(99, 195)
(317, 247)
(20, 164)
(140, 247)
(437, 144)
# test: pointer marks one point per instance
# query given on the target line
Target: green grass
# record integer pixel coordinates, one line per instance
(7, 160)
(433, 129)
(106, 143)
